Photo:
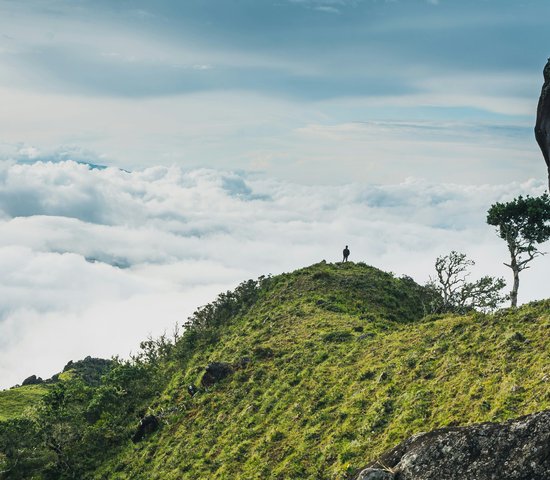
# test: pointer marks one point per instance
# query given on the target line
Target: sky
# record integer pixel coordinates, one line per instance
(242, 138)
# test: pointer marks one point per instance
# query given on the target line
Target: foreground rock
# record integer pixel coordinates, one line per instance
(514, 450)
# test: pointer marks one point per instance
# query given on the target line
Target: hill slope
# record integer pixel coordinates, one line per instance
(14, 402)
(327, 367)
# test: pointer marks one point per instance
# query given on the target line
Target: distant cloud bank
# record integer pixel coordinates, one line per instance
(93, 260)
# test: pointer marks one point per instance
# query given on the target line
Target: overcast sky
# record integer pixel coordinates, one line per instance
(247, 137)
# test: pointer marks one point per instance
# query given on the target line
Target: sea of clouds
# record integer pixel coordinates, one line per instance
(93, 260)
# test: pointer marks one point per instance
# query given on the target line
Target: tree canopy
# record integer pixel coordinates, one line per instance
(523, 224)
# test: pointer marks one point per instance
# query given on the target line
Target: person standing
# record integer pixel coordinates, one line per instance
(346, 254)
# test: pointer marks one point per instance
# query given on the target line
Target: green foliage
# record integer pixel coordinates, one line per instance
(454, 293)
(522, 223)
(15, 401)
(75, 425)
(90, 369)
(21, 452)
(342, 365)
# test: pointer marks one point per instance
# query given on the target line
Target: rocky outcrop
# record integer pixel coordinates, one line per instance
(147, 425)
(542, 125)
(32, 380)
(514, 450)
(89, 369)
(215, 372)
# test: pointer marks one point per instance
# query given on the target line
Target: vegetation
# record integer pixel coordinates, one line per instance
(89, 370)
(331, 365)
(456, 294)
(14, 402)
(523, 224)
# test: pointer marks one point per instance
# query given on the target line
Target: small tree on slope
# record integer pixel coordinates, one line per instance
(523, 224)
(458, 295)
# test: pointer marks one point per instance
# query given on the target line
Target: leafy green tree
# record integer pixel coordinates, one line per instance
(23, 455)
(84, 418)
(523, 224)
(456, 294)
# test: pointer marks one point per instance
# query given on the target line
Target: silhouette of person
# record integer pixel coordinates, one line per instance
(346, 254)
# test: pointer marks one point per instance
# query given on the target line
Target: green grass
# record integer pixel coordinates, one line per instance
(14, 402)
(343, 365)
(343, 380)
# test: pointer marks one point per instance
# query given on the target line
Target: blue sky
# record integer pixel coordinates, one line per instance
(264, 85)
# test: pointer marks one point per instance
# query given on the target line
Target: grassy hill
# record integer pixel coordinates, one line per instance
(14, 402)
(331, 365)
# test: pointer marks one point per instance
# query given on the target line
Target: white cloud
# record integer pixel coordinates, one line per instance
(275, 135)
(327, 9)
(95, 260)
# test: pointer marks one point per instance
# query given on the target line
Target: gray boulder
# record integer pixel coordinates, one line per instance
(375, 474)
(515, 450)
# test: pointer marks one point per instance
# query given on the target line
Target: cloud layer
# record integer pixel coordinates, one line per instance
(266, 85)
(94, 260)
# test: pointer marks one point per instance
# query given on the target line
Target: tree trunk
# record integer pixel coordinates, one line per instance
(515, 270)
(514, 292)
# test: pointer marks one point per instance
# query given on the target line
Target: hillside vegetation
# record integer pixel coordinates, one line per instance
(330, 366)
(15, 402)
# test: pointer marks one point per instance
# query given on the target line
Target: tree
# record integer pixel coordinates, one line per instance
(458, 295)
(523, 223)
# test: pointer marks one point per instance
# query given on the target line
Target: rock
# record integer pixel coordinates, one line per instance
(515, 450)
(375, 474)
(32, 380)
(147, 425)
(542, 125)
(215, 372)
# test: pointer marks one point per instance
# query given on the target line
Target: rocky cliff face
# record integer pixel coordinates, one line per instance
(542, 126)
(515, 450)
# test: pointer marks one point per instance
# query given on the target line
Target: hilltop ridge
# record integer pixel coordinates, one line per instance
(325, 369)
